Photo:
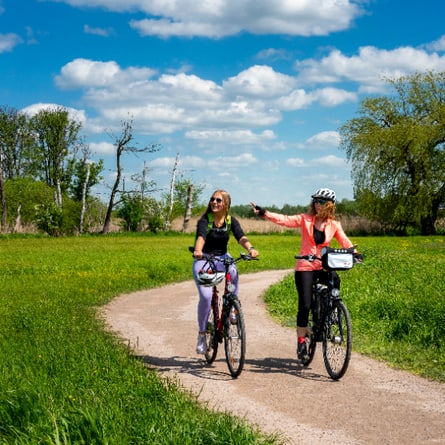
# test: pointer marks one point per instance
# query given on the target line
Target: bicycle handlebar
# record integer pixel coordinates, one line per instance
(229, 260)
(310, 258)
(358, 258)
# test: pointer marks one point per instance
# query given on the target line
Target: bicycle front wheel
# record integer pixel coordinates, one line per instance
(212, 335)
(235, 338)
(337, 340)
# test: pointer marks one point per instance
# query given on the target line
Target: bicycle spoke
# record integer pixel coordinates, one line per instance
(211, 337)
(235, 340)
(337, 342)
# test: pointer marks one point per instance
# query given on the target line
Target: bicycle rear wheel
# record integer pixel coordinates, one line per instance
(212, 335)
(235, 339)
(337, 340)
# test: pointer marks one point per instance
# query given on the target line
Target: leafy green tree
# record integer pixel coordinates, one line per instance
(86, 174)
(181, 194)
(396, 147)
(347, 207)
(15, 141)
(49, 218)
(153, 214)
(22, 195)
(57, 136)
(131, 210)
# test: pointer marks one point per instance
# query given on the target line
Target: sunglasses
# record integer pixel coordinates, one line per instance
(319, 201)
(218, 200)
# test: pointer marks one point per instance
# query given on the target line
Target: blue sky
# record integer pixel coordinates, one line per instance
(249, 94)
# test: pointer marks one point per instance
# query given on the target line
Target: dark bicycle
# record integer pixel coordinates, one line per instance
(226, 320)
(329, 319)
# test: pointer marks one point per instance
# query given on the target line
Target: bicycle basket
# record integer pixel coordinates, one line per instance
(337, 259)
(208, 276)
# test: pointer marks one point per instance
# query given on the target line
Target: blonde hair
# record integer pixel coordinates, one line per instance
(227, 201)
(326, 212)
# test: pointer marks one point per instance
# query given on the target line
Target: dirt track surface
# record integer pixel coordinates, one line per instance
(371, 404)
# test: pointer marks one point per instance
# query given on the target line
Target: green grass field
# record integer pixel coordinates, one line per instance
(396, 299)
(65, 380)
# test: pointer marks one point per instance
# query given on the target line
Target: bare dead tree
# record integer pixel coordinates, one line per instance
(122, 143)
(188, 207)
(167, 222)
(84, 196)
(2, 190)
(18, 220)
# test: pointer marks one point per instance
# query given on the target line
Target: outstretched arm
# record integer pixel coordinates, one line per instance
(258, 210)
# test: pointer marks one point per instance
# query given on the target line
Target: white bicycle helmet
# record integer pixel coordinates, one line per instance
(209, 277)
(325, 193)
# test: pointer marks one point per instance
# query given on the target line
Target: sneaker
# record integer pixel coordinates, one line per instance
(201, 346)
(302, 351)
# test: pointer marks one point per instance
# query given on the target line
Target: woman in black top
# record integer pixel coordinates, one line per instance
(212, 237)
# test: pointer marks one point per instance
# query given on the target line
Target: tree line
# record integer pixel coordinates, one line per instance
(47, 177)
(395, 146)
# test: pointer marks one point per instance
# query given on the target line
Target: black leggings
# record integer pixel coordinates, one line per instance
(303, 283)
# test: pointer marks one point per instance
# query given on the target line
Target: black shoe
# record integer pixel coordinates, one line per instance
(302, 351)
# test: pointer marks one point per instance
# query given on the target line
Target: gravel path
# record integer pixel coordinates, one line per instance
(371, 404)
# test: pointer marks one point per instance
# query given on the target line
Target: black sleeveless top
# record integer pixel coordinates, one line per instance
(319, 236)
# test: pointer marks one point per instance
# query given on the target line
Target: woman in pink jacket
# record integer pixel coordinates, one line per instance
(318, 228)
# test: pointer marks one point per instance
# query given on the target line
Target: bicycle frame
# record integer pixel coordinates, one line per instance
(322, 300)
(323, 297)
(331, 324)
(220, 326)
(223, 313)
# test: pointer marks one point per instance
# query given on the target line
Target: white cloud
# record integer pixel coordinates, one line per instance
(102, 148)
(323, 140)
(102, 32)
(227, 163)
(230, 136)
(295, 100)
(170, 102)
(331, 97)
(295, 162)
(232, 110)
(368, 67)
(330, 162)
(73, 113)
(273, 54)
(219, 18)
(9, 41)
(437, 45)
(259, 81)
(84, 73)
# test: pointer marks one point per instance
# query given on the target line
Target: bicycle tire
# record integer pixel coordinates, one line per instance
(235, 339)
(337, 340)
(212, 335)
(311, 344)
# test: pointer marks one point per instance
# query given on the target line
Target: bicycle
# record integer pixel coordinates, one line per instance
(226, 319)
(329, 319)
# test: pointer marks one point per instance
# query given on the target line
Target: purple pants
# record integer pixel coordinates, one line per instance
(205, 293)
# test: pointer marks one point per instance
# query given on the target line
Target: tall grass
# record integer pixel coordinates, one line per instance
(396, 300)
(63, 378)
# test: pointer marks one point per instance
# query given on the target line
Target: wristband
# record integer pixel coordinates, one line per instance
(260, 210)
